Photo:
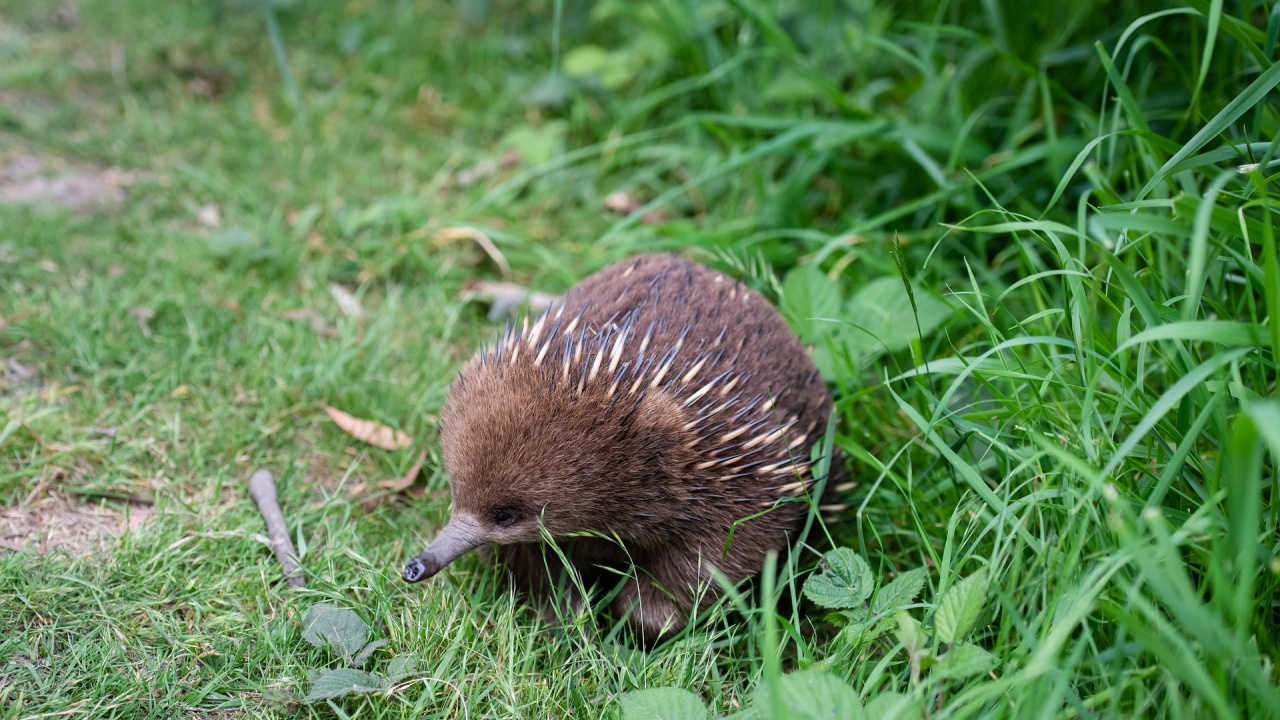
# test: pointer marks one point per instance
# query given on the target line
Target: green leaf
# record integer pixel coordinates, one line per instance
(963, 661)
(893, 706)
(332, 684)
(535, 143)
(363, 657)
(882, 320)
(845, 580)
(909, 633)
(667, 703)
(811, 695)
(612, 68)
(331, 625)
(554, 90)
(401, 667)
(902, 591)
(809, 298)
(959, 608)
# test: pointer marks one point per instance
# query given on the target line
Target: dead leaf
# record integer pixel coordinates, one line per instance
(21, 373)
(116, 270)
(656, 216)
(182, 391)
(308, 315)
(467, 177)
(143, 316)
(209, 216)
(66, 15)
(506, 299)
(349, 304)
(623, 203)
(448, 235)
(368, 431)
(399, 484)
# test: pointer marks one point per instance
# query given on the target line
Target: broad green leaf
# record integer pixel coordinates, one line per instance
(667, 703)
(960, 607)
(332, 684)
(613, 68)
(810, 299)
(965, 660)
(845, 581)
(363, 656)
(535, 143)
(810, 695)
(331, 625)
(882, 320)
(902, 591)
(893, 706)
(401, 667)
(909, 632)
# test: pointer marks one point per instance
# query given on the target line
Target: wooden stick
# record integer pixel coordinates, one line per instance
(262, 487)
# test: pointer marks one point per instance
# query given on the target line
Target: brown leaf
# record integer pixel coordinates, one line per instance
(400, 484)
(317, 323)
(506, 298)
(448, 235)
(349, 304)
(623, 203)
(368, 431)
(209, 216)
(143, 315)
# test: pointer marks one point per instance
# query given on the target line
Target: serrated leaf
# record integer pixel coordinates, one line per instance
(663, 704)
(902, 591)
(363, 656)
(401, 667)
(893, 706)
(332, 684)
(965, 660)
(845, 581)
(960, 607)
(811, 695)
(331, 625)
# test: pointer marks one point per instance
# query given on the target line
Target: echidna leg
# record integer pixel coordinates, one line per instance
(663, 596)
(541, 580)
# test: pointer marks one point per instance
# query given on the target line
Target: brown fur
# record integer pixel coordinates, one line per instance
(560, 424)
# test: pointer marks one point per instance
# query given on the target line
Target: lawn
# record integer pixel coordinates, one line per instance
(1032, 245)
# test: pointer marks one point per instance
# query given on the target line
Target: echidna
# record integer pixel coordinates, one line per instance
(651, 423)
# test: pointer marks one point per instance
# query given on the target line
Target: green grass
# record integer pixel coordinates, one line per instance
(1091, 417)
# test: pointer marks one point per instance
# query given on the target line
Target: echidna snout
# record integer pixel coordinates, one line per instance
(640, 423)
(462, 534)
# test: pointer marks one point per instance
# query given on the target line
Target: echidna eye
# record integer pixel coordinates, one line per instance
(504, 517)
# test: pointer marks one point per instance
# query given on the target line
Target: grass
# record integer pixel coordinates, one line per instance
(1083, 188)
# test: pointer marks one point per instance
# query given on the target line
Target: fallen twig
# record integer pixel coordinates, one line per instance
(262, 487)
